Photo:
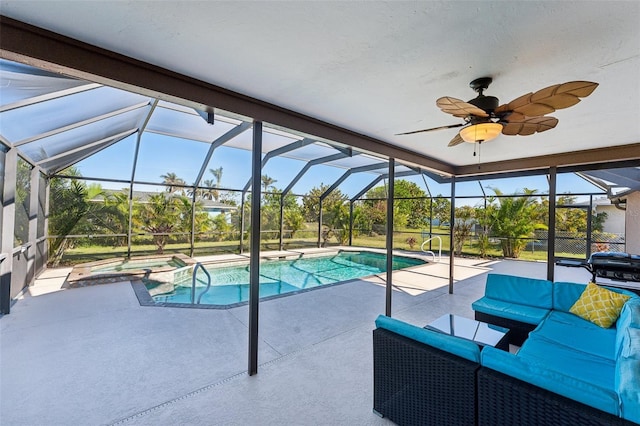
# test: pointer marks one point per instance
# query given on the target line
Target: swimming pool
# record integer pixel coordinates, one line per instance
(230, 284)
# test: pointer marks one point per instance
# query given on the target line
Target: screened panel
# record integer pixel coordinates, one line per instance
(62, 162)
(355, 182)
(468, 189)
(186, 125)
(438, 189)
(3, 152)
(232, 177)
(118, 157)
(85, 222)
(357, 161)
(23, 200)
(41, 259)
(158, 225)
(22, 82)
(58, 113)
(270, 141)
(317, 176)
(515, 185)
(285, 168)
(219, 116)
(399, 168)
(311, 152)
(161, 155)
(572, 183)
(42, 149)
(42, 203)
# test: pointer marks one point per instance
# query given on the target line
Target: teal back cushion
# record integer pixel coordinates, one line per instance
(629, 317)
(520, 290)
(627, 374)
(565, 295)
(455, 345)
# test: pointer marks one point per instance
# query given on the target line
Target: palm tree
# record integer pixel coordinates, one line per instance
(217, 174)
(68, 205)
(194, 191)
(513, 220)
(172, 182)
(209, 192)
(267, 182)
(159, 217)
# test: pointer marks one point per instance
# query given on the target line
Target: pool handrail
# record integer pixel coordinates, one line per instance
(193, 283)
(431, 252)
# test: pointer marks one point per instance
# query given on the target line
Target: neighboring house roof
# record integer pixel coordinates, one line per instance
(600, 201)
(144, 196)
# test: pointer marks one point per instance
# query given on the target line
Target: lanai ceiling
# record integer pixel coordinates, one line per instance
(377, 68)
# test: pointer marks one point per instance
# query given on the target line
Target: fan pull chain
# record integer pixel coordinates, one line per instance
(479, 146)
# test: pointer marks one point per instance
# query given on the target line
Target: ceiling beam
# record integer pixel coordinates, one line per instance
(587, 158)
(45, 49)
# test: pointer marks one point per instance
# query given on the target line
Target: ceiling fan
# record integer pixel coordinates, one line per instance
(485, 120)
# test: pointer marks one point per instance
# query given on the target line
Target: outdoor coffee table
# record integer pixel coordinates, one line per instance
(479, 332)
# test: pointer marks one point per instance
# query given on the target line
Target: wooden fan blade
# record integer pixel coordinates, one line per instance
(457, 140)
(549, 99)
(459, 108)
(514, 116)
(529, 126)
(451, 126)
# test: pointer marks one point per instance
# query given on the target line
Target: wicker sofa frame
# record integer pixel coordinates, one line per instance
(416, 384)
(505, 400)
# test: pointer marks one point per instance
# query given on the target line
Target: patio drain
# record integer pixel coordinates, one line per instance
(200, 390)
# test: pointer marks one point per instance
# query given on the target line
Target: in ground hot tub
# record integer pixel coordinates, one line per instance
(160, 268)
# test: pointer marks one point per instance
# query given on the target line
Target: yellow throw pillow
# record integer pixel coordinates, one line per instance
(599, 305)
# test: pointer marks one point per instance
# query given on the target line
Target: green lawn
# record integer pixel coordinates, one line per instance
(88, 253)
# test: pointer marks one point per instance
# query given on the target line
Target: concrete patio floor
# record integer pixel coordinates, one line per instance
(93, 355)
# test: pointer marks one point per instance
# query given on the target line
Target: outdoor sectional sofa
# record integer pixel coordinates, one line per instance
(568, 371)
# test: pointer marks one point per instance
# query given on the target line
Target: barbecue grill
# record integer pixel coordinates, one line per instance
(612, 265)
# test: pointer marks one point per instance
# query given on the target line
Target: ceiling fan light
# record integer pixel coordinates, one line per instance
(480, 132)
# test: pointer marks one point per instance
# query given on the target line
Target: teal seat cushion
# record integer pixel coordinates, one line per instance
(528, 370)
(513, 311)
(520, 290)
(463, 348)
(571, 331)
(569, 362)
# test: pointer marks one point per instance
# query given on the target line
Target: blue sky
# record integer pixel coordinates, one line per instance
(161, 154)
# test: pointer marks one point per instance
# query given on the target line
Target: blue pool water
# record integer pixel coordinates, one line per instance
(230, 284)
